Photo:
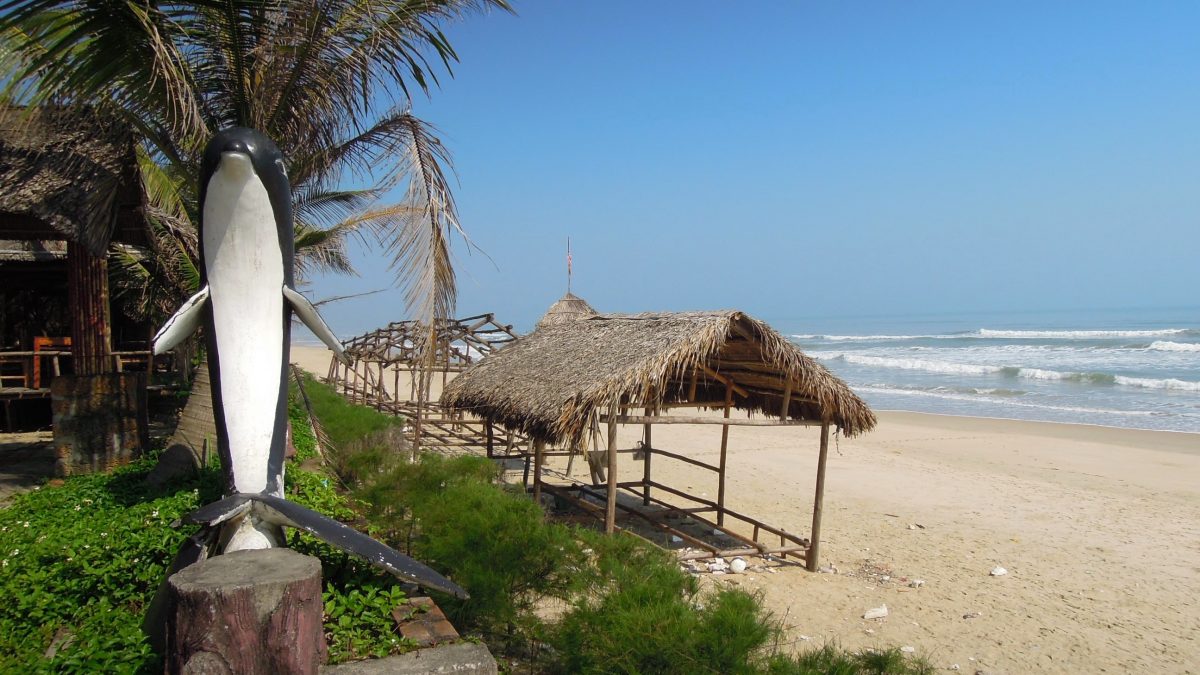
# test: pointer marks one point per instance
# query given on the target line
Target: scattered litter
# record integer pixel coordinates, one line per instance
(916, 583)
(869, 631)
(828, 569)
(715, 572)
(737, 565)
(954, 666)
(876, 613)
(907, 649)
(676, 540)
(916, 526)
(998, 571)
(972, 615)
(806, 638)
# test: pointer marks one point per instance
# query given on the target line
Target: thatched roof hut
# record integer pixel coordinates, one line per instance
(569, 308)
(549, 383)
(566, 379)
(69, 174)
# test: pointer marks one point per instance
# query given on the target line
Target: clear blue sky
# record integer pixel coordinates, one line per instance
(808, 160)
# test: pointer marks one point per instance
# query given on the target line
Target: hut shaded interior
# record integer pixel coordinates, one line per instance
(565, 380)
(69, 187)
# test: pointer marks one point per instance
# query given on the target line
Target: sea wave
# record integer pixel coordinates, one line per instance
(1078, 334)
(1153, 383)
(927, 365)
(954, 368)
(954, 396)
(1168, 346)
(878, 338)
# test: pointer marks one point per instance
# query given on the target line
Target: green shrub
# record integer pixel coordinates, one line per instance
(831, 660)
(642, 614)
(448, 513)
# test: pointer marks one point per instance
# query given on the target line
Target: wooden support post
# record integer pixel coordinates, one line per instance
(487, 428)
(610, 511)
(87, 302)
(246, 612)
(814, 546)
(647, 452)
(787, 401)
(724, 449)
(538, 447)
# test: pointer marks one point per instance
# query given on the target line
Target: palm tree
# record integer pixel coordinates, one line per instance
(329, 80)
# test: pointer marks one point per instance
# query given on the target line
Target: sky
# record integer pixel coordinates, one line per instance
(802, 161)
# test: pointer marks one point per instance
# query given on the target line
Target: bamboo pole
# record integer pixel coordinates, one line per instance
(814, 546)
(610, 512)
(647, 452)
(538, 447)
(724, 448)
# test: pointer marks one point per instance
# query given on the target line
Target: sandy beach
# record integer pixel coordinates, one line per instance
(1098, 528)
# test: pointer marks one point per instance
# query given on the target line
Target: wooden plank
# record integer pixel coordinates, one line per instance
(735, 422)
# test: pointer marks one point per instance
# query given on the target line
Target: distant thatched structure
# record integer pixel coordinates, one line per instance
(569, 308)
(549, 383)
(69, 174)
(559, 384)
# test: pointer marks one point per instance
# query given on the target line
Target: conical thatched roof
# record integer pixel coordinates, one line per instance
(548, 383)
(69, 174)
(568, 308)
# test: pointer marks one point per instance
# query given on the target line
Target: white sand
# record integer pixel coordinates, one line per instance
(1099, 529)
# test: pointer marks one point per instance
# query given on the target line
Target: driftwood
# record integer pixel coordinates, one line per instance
(247, 612)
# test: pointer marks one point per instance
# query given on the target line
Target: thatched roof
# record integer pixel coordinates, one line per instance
(68, 174)
(548, 383)
(568, 308)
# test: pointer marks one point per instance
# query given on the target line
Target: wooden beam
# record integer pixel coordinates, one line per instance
(724, 449)
(814, 546)
(689, 460)
(734, 422)
(725, 381)
(610, 511)
(787, 401)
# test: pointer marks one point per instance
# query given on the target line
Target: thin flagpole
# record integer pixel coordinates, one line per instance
(568, 264)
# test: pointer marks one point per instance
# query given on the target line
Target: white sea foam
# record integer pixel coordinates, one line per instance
(927, 365)
(883, 389)
(1077, 334)
(1168, 346)
(952, 368)
(1152, 383)
(873, 338)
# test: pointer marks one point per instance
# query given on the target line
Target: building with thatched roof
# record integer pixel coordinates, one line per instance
(569, 307)
(558, 384)
(69, 175)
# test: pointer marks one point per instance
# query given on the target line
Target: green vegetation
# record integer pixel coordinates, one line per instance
(81, 560)
(79, 563)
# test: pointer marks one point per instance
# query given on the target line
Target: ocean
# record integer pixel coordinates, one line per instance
(1137, 369)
